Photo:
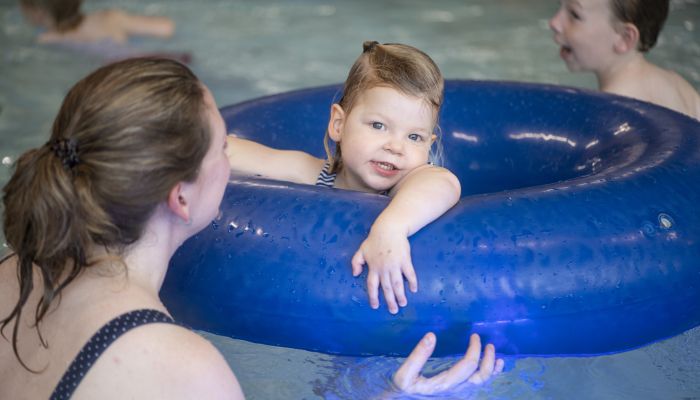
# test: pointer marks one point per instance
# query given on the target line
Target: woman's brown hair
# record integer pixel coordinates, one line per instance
(398, 66)
(124, 136)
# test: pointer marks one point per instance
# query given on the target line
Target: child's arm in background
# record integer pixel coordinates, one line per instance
(146, 25)
(420, 198)
(249, 158)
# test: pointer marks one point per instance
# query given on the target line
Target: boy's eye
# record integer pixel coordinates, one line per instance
(377, 125)
(574, 14)
(415, 137)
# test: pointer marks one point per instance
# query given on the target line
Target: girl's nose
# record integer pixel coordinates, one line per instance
(394, 145)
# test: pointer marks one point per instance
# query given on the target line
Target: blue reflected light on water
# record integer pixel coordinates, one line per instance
(246, 49)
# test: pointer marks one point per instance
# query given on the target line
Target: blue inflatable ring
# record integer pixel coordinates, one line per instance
(577, 232)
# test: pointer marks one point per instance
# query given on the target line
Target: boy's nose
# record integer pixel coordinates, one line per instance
(554, 24)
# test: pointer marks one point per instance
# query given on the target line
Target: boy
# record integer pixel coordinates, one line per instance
(609, 38)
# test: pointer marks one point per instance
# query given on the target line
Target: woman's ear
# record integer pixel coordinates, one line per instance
(336, 122)
(627, 37)
(177, 203)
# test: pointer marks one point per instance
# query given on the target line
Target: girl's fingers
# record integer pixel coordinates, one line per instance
(389, 294)
(397, 286)
(410, 274)
(373, 289)
(358, 260)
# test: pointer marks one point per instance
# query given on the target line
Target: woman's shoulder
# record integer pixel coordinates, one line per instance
(162, 361)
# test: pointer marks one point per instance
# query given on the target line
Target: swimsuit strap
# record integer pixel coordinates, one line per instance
(324, 178)
(98, 343)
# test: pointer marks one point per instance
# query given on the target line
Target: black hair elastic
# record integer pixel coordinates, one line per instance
(369, 46)
(66, 150)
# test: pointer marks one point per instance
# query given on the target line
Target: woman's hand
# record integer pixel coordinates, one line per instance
(469, 369)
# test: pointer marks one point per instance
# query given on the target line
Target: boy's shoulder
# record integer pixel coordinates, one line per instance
(660, 86)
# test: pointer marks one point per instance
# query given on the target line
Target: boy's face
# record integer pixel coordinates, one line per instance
(584, 30)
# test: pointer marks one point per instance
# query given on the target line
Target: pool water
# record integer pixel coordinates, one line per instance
(246, 49)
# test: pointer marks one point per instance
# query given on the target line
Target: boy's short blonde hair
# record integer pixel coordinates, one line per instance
(647, 15)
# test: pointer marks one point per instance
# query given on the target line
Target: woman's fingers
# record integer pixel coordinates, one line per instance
(408, 377)
(409, 372)
(461, 371)
(486, 367)
(500, 364)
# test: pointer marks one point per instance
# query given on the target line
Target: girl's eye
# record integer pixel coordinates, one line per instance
(415, 137)
(377, 125)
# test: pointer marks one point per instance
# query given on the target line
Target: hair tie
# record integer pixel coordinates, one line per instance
(369, 46)
(67, 151)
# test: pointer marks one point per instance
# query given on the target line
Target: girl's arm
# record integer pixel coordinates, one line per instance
(249, 158)
(420, 198)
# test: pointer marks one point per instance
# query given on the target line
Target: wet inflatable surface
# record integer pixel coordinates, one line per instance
(577, 233)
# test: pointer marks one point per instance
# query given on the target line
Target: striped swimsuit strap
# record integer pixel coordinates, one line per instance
(98, 343)
(328, 180)
(325, 179)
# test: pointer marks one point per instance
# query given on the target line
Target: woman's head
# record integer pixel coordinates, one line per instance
(62, 15)
(648, 16)
(397, 66)
(124, 137)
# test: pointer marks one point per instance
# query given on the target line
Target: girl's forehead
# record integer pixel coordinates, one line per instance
(389, 97)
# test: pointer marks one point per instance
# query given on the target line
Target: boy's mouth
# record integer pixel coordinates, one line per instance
(565, 51)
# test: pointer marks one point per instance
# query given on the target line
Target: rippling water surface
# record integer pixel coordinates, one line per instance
(246, 49)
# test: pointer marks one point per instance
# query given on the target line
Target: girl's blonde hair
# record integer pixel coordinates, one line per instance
(398, 66)
(124, 137)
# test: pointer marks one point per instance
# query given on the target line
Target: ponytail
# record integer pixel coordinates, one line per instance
(124, 136)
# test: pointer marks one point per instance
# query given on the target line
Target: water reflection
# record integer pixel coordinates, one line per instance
(546, 137)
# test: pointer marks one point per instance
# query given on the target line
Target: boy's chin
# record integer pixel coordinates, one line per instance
(574, 67)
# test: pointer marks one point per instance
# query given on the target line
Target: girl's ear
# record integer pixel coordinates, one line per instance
(336, 122)
(177, 203)
(627, 37)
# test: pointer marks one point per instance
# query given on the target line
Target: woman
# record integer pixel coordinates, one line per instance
(135, 165)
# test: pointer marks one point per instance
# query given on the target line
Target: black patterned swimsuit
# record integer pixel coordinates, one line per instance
(98, 343)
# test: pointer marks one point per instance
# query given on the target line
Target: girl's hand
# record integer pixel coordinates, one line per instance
(409, 379)
(387, 254)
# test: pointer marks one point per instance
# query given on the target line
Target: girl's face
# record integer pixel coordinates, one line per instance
(385, 136)
(585, 32)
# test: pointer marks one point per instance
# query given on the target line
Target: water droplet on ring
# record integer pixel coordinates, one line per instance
(665, 221)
